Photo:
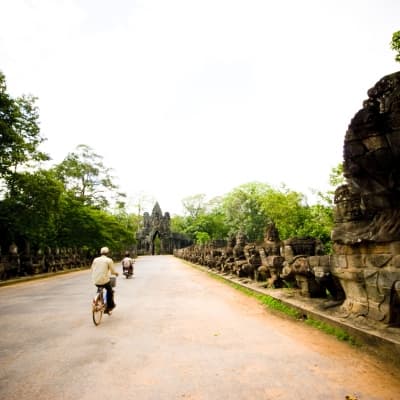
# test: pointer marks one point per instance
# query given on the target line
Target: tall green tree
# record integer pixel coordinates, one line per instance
(243, 210)
(86, 177)
(29, 212)
(19, 132)
(286, 208)
(84, 226)
(195, 205)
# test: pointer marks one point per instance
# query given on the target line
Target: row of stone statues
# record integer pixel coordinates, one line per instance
(297, 262)
(356, 284)
(14, 263)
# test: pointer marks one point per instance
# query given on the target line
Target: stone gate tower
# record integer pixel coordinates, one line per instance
(156, 237)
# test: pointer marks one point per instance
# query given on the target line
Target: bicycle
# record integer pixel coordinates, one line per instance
(99, 303)
(98, 306)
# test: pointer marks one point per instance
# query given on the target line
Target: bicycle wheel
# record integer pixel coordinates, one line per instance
(98, 308)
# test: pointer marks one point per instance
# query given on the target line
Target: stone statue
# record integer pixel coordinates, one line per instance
(239, 255)
(367, 209)
(227, 257)
(366, 234)
(271, 260)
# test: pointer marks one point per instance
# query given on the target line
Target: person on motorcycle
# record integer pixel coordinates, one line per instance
(102, 268)
(127, 263)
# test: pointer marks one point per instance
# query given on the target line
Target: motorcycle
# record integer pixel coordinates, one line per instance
(127, 271)
(127, 265)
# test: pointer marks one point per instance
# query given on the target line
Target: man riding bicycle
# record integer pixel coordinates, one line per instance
(102, 268)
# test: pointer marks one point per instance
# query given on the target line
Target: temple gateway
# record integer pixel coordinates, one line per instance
(155, 236)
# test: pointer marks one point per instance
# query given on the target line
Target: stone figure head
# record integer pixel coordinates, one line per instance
(271, 233)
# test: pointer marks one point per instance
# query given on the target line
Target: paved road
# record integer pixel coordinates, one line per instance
(176, 334)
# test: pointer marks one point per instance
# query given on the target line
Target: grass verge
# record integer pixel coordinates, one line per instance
(277, 305)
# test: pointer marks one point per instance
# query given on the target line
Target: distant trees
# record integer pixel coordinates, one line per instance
(85, 177)
(249, 208)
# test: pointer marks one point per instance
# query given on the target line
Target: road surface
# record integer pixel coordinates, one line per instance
(176, 333)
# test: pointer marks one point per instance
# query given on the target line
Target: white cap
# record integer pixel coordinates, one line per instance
(104, 250)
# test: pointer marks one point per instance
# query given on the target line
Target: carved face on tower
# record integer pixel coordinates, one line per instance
(369, 203)
(347, 204)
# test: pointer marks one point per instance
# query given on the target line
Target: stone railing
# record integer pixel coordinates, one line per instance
(15, 264)
(296, 263)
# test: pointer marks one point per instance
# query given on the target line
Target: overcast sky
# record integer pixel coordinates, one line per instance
(183, 97)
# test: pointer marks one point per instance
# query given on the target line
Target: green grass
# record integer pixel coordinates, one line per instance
(264, 299)
(332, 330)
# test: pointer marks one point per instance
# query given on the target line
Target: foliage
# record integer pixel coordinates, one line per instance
(250, 208)
(336, 177)
(29, 210)
(19, 132)
(85, 176)
(202, 237)
(195, 205)
(202, 220)
(395, 44)
(244, 211)
(80, 225)
(287, 210)
(178, 223)
(318, 223)
(339, 333)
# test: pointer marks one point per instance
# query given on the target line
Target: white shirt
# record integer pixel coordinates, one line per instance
(102, 268)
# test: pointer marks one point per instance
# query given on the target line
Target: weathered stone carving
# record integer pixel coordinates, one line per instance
(13, 263)
(271, 259)
(239, 266)
(321, 268)
(252, 263)
(366, 234)
(227, 258)
(296, 252)
(368, 206)
(158, 227)
(10, 264)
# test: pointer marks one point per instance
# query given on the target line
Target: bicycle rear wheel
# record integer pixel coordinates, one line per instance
(98, 308)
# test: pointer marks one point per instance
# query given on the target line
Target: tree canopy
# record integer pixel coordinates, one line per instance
(19, 131)
(86, 177)
(249, 208)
